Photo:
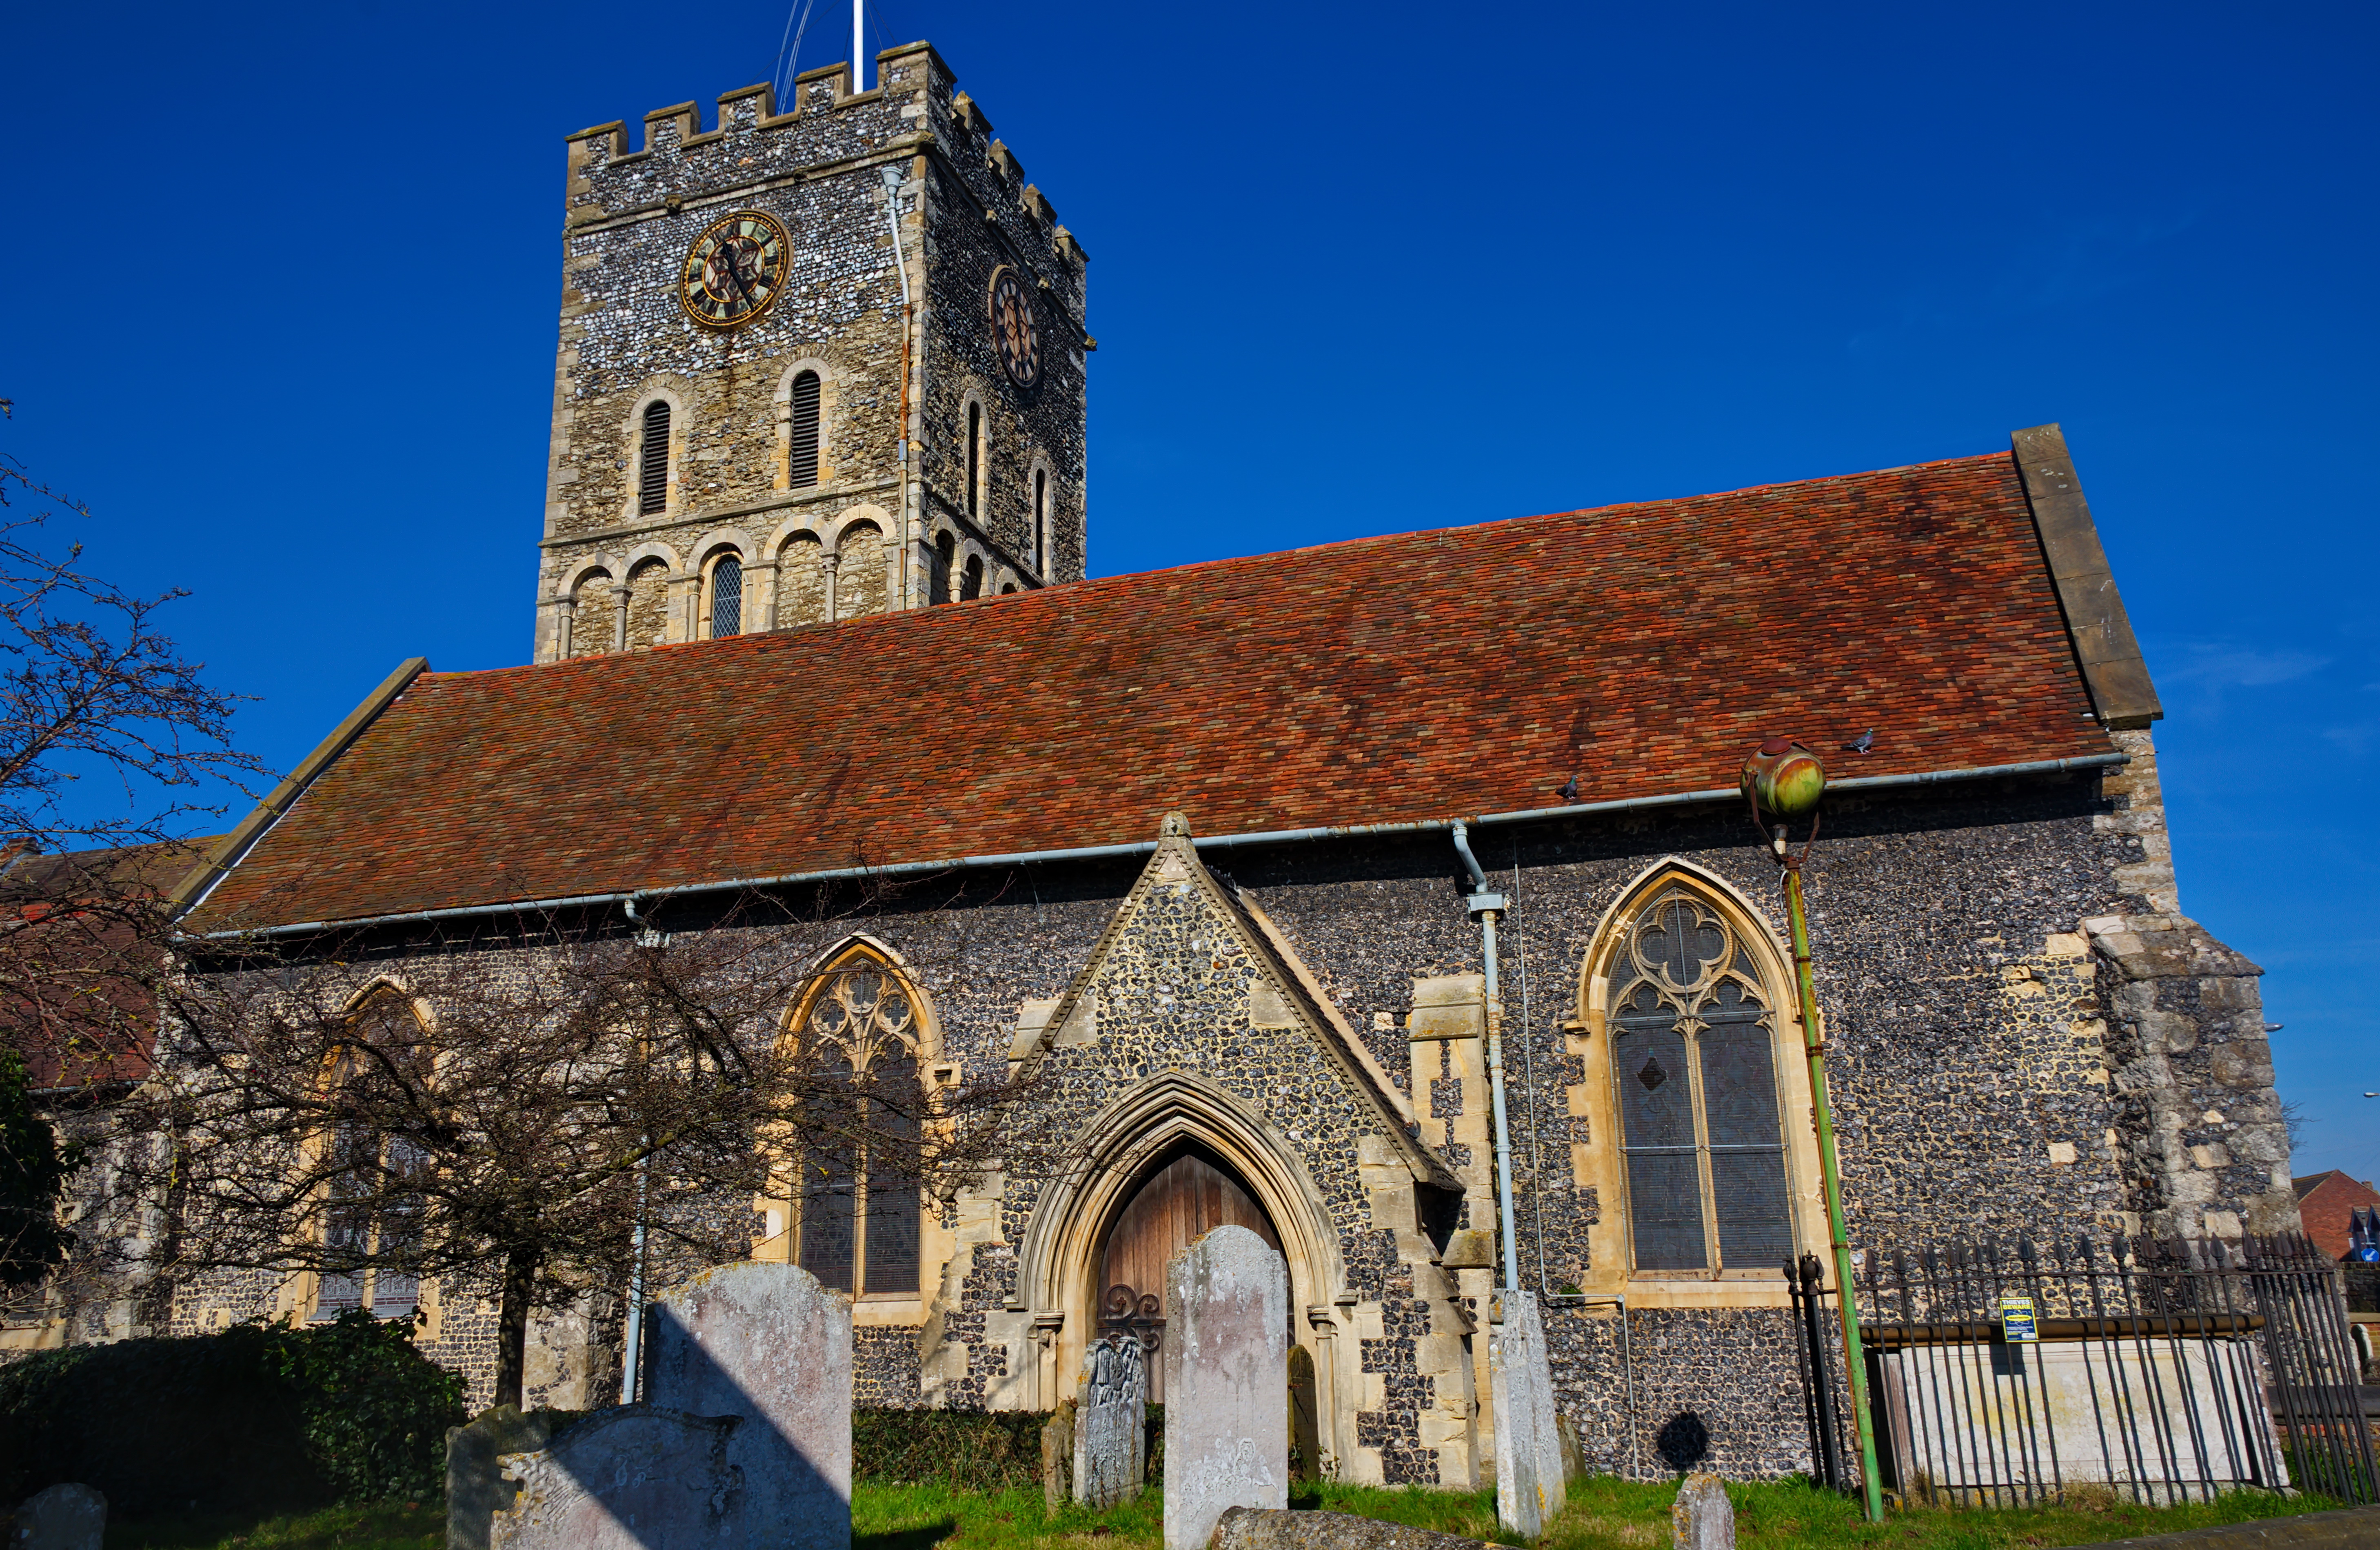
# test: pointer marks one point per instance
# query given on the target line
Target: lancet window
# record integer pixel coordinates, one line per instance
(861, 1026)
(371, 1204)
(1693, 1066)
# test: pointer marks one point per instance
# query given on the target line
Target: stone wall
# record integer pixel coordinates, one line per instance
(2017, 1045)
(630, 218)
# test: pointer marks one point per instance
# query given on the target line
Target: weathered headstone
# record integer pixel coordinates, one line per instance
(1110, 1422)
(636, 1478)
(476, 1487)
(1250, 1528)
(1530, 1487)
(1573, 1456)
(1702, 1518)
(1226, 1382)
(1058, 1456)
(766, 1343)
(62, 1518)
(1305, 1417)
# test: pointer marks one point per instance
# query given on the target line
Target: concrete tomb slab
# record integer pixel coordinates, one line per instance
(62, 1518)
(1226, 1382)
(1111, 1422)
(1250, 1528)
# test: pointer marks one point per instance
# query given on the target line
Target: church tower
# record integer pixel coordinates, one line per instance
(814, 365)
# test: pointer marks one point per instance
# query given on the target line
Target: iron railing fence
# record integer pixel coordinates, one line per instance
(2160, 1369)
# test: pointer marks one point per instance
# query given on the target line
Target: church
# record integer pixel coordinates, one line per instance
(811, 602)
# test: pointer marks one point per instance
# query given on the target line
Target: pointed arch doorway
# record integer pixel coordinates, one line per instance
(1186, 1193)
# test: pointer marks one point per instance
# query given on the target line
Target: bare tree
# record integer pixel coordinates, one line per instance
(509, 1115)
(112, 745)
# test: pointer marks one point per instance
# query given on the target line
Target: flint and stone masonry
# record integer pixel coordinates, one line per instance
(873, 532)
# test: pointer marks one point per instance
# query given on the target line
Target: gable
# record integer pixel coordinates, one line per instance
(1188, 977)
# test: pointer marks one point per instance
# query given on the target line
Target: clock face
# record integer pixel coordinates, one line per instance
(1012, 330)
(734, 270)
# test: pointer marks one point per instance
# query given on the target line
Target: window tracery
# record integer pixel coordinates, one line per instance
(1693, 1068)
(859, 1206)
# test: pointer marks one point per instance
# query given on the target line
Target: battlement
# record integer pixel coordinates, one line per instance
(914, 89)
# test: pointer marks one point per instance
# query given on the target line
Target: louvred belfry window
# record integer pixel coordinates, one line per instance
(974, 457)
(859, 1205)
(802, 441)
(1693, 1063)
(652, 461)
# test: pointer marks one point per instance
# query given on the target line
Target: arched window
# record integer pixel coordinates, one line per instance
(971, 581)
(975, 458)
(946, 559)
(1042, 522)
(859, 1200)
(726, 610)
(1693, 1068)
(372, 1207)
(652, 460)
(802, 443)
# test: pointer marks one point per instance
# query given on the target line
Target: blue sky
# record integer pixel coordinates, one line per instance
(277, 294)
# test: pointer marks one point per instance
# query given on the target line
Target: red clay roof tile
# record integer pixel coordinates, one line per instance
(1643, 647)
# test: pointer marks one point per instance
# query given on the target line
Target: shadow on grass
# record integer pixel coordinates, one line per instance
(919, 1536)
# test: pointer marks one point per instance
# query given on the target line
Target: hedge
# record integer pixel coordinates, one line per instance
(968, 1450)
(259, 1418)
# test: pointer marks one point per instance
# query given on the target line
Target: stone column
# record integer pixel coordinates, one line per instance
(1226, 1382)
(829, 564)
(620, 618)
(765, 594)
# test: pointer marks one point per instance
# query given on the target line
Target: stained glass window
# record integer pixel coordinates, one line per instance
(860, 1207)
(1694, 1073)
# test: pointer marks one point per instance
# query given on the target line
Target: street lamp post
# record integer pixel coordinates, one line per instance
(1783, 780)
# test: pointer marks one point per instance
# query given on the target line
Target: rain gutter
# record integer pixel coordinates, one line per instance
(636, 901)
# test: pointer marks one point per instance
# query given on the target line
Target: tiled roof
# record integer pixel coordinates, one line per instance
(2327, 1201)
(85, 943)
(1642, 648)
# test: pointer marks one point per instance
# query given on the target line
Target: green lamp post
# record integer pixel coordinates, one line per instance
(1783, 781)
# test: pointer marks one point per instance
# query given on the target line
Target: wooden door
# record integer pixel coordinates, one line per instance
(1172, 1208)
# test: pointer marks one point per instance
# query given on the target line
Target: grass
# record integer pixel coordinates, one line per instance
(395, 1526)
(1603, 1514)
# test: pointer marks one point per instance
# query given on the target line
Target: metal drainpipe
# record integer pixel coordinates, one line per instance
(1488, 905)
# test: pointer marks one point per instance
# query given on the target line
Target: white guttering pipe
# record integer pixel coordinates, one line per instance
(1487, 907)
(631, 897)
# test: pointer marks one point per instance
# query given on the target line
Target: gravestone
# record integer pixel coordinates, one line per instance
(767, 1344)
(1702, 1518)
(1249, 1528)
(636, 1478)
(1110, 1422)
(476, 1487)
(1530, 1487)
(1226, 1382)
(62, 1518)
(1058, 1456)
(1305, 1417)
